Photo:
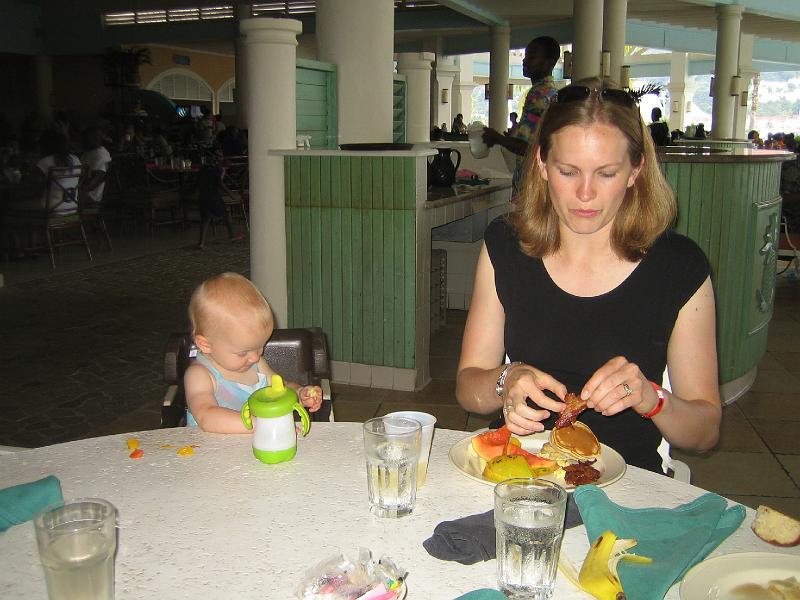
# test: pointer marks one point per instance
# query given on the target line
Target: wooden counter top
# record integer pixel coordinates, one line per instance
(673, 154)
(442, 196)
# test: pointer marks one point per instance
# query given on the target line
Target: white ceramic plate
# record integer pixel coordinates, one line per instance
(610, 464)
(713, 579)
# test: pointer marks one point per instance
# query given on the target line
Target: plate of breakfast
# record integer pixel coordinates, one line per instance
(569, 456)
(744, 576)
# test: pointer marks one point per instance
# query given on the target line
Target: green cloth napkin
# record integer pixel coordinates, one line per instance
(675, 538)
(20, 503)
(484, 594)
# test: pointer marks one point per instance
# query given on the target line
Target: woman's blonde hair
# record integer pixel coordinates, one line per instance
(649, 206)
(224, 297)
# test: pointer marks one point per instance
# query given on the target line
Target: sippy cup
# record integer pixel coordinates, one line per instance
(268, 412)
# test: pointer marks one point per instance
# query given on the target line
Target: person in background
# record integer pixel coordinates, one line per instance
(514, 123)
(755, 138)
(96, 158)
(444, 128)
(219, 125)
(585, 288)
(700, 132)
(161, 147)
(231, 323)
(541, 56)
(458, 124)
(790, 186)
(659, 130)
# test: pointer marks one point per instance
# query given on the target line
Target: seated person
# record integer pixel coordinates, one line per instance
(659, 130)
(755, 138)
(210, 198)
(586, 289)
(96, 158)
(231, 323)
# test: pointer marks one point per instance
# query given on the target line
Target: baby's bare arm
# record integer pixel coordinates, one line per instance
(310, 396)
(210, 416)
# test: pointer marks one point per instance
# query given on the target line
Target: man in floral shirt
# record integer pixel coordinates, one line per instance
(541, 56)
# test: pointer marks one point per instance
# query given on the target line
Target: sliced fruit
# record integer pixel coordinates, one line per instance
(492, 443)
(539, 464)
(506, 467)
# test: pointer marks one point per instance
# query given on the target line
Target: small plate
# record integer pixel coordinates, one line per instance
(713, 579)
(610, 464)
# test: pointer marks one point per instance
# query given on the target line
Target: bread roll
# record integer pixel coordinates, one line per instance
(776, 528)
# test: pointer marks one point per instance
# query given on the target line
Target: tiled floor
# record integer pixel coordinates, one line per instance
(82, 349)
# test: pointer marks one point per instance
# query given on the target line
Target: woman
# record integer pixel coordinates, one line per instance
(586, 290)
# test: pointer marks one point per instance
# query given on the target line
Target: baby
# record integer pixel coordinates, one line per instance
(231, 323)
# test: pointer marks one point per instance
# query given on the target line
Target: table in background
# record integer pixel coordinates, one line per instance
(220, 524)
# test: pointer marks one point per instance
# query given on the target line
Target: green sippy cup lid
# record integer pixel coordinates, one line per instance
(273, 401)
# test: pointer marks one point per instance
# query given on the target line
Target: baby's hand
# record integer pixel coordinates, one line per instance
(311, 397)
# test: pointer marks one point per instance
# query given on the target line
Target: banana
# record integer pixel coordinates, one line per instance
(598, 575)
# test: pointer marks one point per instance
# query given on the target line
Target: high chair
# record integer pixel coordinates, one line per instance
(299, 355)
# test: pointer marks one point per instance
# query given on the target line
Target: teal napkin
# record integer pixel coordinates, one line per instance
(20, 503)
(484, 594)
(675, 538)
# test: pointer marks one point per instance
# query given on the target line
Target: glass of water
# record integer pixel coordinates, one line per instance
(77, 541)
(529, 525)
(392, 446)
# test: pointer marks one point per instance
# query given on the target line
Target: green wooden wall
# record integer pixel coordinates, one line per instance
(350, 242)
(316, 102)
(731, 210)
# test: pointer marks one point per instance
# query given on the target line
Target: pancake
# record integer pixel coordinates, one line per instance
(577, 441)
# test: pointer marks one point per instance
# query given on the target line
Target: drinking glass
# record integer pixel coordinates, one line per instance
(427, 421)
(529, 525)
(391, 446)
(77, 541)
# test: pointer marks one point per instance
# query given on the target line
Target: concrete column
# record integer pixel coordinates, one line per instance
(726, 65)
(678, 73)
(498, 78)
(587, 38)
(242, 12)
(44, 86)
(272, 115)
(358, 37)
(746, 73)
(446, 72)
(463, 86)
(416, 66)
(615, 16)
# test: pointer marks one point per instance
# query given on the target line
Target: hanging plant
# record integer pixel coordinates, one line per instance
(122, 65)
(649, 88)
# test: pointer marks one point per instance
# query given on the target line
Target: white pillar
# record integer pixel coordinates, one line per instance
(416, 66)
(240, 65)
(446, 71)
(615, 15)
(271, 109)
(44, 86)
(729, 18)
(587, 38)
(678, 73)
(746, 73)
(498, 78)
(463, 86)
(358, 37)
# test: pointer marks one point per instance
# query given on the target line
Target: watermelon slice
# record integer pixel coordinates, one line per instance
(492, 443)
(538, 464)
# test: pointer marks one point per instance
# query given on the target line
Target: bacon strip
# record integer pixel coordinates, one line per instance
(581, 473)
(574, 407)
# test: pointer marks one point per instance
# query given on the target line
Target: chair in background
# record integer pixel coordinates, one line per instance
(236, 182)
(54, 222)
(679, 469)
(788, 248)
(299, 355)
(91, 210)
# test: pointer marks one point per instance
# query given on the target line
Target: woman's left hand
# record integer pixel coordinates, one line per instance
(618, 385)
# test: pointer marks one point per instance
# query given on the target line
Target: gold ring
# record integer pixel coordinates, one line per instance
(628, 389)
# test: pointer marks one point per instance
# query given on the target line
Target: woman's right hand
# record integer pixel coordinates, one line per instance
(524, 382)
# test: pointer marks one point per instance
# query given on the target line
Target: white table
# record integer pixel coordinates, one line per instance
(220, 524)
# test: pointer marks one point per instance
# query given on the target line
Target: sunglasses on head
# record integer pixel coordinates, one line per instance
(578, 93)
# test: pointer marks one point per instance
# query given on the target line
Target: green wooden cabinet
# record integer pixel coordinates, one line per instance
(399, 102)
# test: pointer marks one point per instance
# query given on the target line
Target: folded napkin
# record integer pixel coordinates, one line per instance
(20, 503)
(675, 538)
(472, 539)
(483, 594)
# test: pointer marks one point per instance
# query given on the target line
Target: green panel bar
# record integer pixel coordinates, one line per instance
(398, 298)
(409, 184)
(409, 287)
(336, 239)
(348, 285)
(368, 289)
(311, 76)
(389, 291)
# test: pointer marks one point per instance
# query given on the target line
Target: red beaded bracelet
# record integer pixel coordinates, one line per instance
(661, 398)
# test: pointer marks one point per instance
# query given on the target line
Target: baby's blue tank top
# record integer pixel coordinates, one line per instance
(229, 394)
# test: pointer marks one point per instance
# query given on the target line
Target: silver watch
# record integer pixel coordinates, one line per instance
(501, 381)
